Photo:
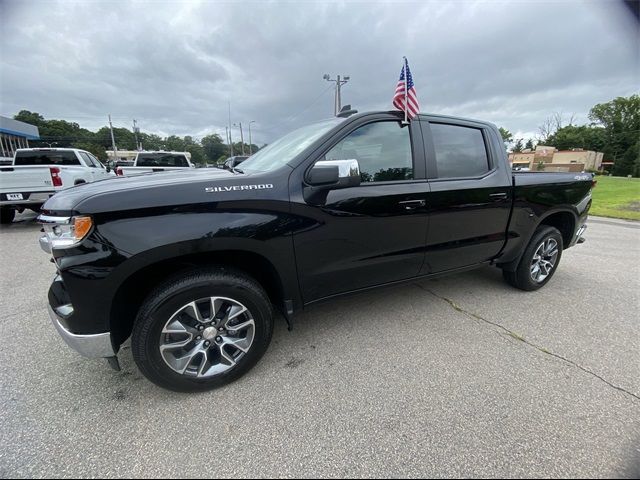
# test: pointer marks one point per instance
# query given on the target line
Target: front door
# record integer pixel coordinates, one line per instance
(372, 234)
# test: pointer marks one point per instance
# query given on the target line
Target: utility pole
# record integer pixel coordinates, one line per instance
(230, 141)
(113, 141)
(136, 130)
(250, 144)
(337, 102)
(241, 137)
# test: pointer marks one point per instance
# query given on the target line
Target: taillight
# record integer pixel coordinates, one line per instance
(119, 171)
(55, 176)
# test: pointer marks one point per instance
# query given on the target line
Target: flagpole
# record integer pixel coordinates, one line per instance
(406, 82)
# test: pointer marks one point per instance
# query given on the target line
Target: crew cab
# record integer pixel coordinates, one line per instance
(161, 161)
(35, 174)
(191, 265)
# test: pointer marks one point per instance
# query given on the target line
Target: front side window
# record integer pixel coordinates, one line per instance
(87, 160)
(383, 150)
(96, 162)
(460, 151)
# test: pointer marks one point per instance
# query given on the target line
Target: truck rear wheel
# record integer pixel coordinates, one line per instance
(7, 214)
(539, 261)
(202, 330)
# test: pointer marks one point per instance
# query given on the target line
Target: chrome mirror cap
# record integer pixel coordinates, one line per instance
(346, 168)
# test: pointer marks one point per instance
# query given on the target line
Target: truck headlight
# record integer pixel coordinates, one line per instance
(64, 232)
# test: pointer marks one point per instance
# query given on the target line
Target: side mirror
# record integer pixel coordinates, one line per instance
(108, 168)
(334, 174)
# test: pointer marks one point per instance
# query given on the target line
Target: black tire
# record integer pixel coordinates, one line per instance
(7, 214)
(169, 297)
(521, 278)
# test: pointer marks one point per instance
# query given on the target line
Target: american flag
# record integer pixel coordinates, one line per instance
(406, 90)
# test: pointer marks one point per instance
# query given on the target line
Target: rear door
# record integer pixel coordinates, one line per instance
(469, 200)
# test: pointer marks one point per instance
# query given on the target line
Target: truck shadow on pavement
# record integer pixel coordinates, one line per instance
(321, 328)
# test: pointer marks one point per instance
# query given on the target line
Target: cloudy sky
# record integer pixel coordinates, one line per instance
(174, 66)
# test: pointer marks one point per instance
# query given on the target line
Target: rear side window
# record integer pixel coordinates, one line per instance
(46, 158)
(162, 160)
(460, 151)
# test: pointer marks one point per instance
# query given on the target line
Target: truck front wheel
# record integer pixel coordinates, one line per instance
(539, 261)
(202, 330)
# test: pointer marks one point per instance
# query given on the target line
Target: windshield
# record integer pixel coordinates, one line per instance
(286, 148)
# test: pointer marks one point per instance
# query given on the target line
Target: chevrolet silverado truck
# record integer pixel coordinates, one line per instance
(191, 265)
(150, 162)
(35, 174)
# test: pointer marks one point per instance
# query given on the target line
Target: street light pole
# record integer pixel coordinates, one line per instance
(241, 136)
(113, 141)
(250, 144)
(337, 102)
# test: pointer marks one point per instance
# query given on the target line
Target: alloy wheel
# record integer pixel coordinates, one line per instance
(544, 259)
(207, 337)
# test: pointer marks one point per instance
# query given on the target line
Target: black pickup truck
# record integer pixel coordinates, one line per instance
(192, 264)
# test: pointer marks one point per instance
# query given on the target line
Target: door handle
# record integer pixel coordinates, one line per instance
(412, 204)
(498, 196)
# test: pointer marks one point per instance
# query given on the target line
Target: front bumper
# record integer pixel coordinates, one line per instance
(97, 345)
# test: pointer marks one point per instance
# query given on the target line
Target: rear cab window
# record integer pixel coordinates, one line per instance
(46, 158)
(161, 160)
(461, 151)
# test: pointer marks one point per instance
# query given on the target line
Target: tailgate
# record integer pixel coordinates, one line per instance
(25, 179)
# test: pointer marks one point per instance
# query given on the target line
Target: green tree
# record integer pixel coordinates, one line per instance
(589, 137)
(31, 118)
(213, 147)
(506, 135)
(150, 141)
(517, 148)
(125, 140)
(629, 163)
(529, 144)
(620, 119)
(197, 153)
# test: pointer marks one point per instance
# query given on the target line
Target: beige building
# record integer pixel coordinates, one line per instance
(575, 160)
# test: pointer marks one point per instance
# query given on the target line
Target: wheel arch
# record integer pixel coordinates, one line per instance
(132, 292)
(564, 220)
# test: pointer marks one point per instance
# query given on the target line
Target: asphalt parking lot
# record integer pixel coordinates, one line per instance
(461, 376)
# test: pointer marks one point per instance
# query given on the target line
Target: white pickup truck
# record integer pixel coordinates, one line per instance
(149, 162)
(36, 174)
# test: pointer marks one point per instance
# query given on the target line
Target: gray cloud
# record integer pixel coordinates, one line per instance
(175, 65)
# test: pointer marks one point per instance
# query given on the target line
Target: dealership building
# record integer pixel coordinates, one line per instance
(14, 135)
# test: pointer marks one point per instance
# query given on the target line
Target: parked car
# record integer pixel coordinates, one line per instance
(192, 264)
(149, 162)
(233, 162)
(35, 174)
